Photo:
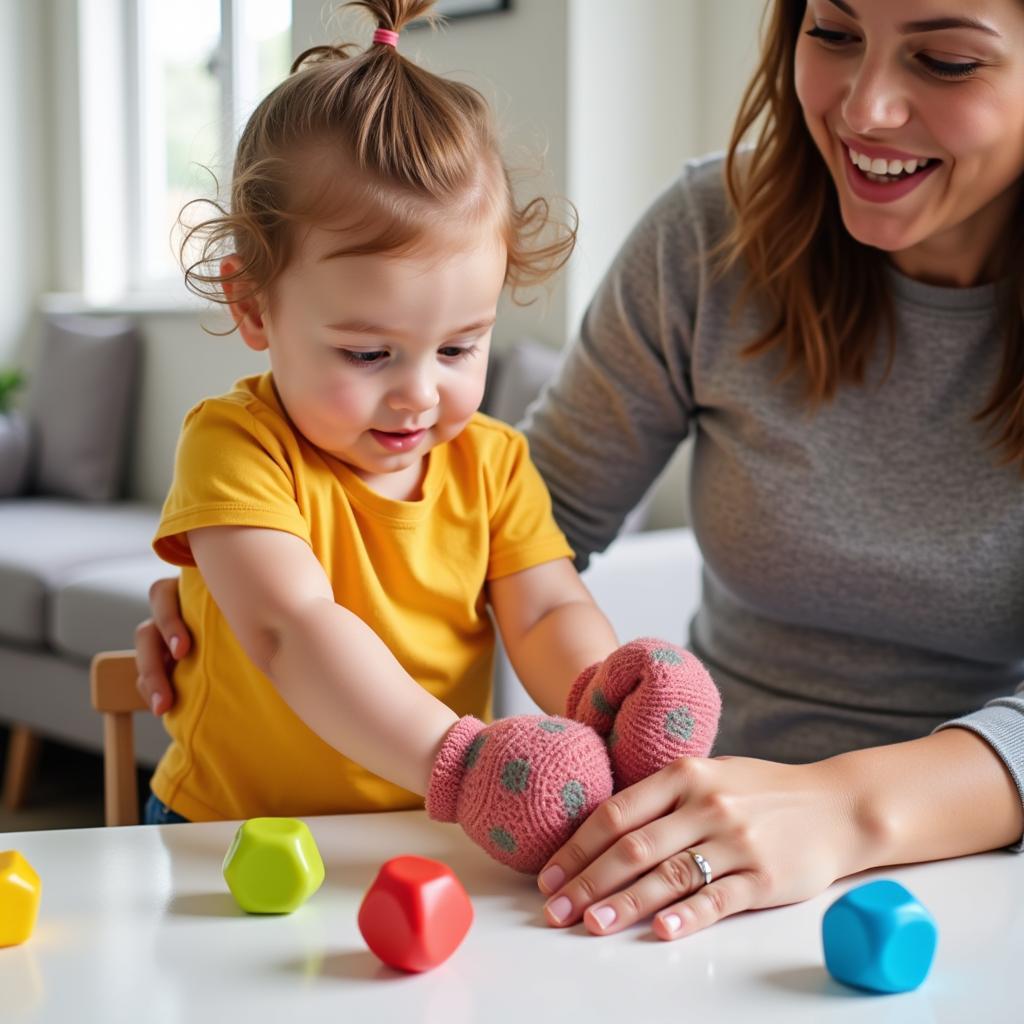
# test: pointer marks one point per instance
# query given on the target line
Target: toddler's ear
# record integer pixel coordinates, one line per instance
(244, 306)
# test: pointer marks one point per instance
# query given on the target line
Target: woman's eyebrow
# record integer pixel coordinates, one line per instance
(927, 24)
(937, 24)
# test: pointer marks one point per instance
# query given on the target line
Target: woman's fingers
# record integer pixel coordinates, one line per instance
(618, 816)
(154, 664)
(710, 903)
(668, 883)
(159, 642)
(166, 608)
(624, 839)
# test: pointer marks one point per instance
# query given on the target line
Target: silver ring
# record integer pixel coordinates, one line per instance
(703, 866)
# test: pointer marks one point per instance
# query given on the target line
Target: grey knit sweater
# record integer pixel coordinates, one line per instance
(864, 565)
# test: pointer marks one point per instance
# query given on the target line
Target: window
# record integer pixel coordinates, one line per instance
(193, 71)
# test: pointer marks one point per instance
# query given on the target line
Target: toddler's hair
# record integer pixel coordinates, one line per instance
(373, 144)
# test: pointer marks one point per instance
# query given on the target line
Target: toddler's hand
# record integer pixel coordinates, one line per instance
(653, 702)
(521, 786)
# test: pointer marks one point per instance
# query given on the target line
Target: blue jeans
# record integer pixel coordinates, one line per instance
(158, 813)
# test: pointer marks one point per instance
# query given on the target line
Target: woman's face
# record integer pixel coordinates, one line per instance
(917, 107)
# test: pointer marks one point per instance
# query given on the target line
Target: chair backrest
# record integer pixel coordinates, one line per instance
(112, 679)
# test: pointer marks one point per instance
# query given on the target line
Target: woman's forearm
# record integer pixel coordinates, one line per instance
(944, 795)
(340, 678)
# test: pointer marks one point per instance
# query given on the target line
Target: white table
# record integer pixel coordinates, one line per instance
(136, 926)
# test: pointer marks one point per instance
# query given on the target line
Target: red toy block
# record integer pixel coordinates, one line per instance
(415, 913)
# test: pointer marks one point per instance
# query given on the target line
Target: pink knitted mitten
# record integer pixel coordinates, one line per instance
(653, 701)
(521, 786)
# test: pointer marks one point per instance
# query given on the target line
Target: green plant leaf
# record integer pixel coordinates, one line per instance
(10, 381)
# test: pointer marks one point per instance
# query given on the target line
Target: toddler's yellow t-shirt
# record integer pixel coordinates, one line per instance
(414, 571)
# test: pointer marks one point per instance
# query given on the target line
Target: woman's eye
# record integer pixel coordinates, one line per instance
(942, 68)
(829, 36)
(362, 358)
(949, 69)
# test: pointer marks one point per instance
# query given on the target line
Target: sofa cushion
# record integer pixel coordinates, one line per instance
(44, 542)
(519, 376)
(80, 399)
(101, 604)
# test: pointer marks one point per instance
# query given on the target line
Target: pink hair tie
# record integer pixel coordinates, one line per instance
(386, 36)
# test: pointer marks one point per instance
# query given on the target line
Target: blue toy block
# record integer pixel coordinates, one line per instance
(879, 937)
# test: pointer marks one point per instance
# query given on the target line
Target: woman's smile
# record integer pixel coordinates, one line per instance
(880, 180)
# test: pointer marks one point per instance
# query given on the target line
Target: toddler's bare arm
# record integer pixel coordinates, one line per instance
(334, 672)
(552, 629)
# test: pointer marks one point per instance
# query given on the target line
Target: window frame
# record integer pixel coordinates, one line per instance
(111, 87)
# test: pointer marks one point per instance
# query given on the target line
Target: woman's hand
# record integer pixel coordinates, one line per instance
(770, 834)
(160, 641)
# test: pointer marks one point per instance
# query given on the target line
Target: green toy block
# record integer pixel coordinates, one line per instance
(273, 865)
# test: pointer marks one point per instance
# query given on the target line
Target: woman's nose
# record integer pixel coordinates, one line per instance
(875, 100)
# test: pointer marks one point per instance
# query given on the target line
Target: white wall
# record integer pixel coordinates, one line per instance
(181, 365)
(728, 33)
(634, 71)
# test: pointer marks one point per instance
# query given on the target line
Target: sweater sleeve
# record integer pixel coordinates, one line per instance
(1001, 724)
(622, 401)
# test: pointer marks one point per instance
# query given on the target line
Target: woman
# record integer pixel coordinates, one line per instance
(838, 314)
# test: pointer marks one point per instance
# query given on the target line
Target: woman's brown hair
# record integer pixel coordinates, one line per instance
(392, 150)
(827, 291)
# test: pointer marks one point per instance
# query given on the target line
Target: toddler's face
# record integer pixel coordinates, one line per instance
(379, 358)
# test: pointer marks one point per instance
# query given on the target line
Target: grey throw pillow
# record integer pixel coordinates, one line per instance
(81, 403)
(520, 374)
(15, 448)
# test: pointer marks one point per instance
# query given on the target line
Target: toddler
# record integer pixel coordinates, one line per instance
(345, 521)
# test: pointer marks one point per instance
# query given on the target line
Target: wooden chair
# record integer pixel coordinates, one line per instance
(112, 678)
(23, 749)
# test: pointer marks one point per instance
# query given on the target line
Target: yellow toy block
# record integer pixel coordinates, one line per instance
(20, 889)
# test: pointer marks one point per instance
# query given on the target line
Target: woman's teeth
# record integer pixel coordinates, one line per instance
(886, 170)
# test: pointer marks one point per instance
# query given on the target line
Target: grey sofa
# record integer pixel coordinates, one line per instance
(74, 579)
(74, 554)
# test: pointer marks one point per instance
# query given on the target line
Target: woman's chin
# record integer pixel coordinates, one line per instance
(873, 231)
